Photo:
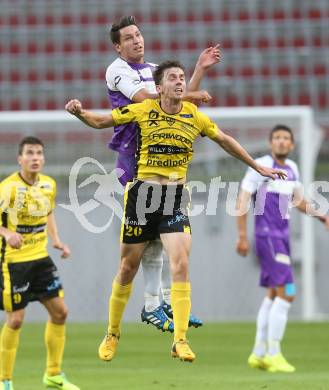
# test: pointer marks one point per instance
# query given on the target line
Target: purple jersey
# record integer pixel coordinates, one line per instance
(272, 204)
(272, 198)
(123, 81)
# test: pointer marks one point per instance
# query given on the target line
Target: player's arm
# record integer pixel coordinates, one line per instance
(232, 147)
(242, 207)
(90, 118)
(206, 60)
(53, 234)
(305, 207)
(13, 239)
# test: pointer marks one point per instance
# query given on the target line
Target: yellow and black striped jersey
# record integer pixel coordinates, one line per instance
(164, 143)
(24, 208)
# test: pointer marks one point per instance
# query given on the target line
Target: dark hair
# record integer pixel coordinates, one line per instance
(159, 71)
(284, 128)
(125, 21)
(30, 140)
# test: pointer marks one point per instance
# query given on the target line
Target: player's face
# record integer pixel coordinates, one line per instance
(32, 158)
(281, 144)
(131, 46)
(173, 84)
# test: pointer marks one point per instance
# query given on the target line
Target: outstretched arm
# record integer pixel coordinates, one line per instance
(92, 119)
(242, 206)
(206, 60)
(231, 146)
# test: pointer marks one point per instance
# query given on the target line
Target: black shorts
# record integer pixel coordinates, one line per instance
(21, 283)
(151, 209)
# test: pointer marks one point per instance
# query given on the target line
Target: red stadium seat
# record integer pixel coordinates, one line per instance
(103, 46)
(250, 100)
(190, 16)
(105, 103)
(174, 45)
(263, 43)
(50, 75)
(243, 15)
(31, 20)
(86, 47)
(156, 45)
(247, 71)
(51, 105)
(34, 105)
(68, 75)
(208, 16)
(154, 17)
(296, 14)
(266, 71)
(299, 42)
(323, 101)
(231, 100)
(15, 105)
(32, 48)
(67, 47)
(278, 14)
(102, 19)
(301, 70)
(86, 75)
(283, 71)
(15, 48)
(50, 47)
(67, 19)
(172, 17)
(314, 13)
(14, 20)
(261, 14)
(304, 99)
(320, 69)
(84, 19)
(286, 100)
(267, 100)
(32, 76)
(49, 20)
(15, 76)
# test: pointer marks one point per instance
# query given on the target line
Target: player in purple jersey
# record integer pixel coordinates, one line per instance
(129, 80)
(271, 202)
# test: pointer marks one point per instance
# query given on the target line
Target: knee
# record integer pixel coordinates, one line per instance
(15, 322)
(127, 270)
(60, 315)
(180, 270)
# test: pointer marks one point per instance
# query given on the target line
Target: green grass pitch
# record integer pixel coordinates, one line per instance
(143, 360)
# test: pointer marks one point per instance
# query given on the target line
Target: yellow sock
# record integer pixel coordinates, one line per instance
(117, 304)
(55, 342)
(181, 306)
(8, 348)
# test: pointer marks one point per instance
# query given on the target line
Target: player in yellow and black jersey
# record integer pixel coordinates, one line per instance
(154, 202)
(27, 201)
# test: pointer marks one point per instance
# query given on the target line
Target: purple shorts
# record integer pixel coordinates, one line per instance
(274, 257)
(127, 162)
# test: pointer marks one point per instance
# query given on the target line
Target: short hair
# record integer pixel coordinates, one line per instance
(284, 128)
(125, 21)
(29, 140)
(159, 71)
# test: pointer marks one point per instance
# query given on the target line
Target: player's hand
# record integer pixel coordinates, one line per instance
(74, 107)
(271, 172)
(198, 97)
(209, 57)
(14, 240)
(66, 252)
(242, 246)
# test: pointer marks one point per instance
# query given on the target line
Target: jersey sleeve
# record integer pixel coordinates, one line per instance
(123, 79)
(126, 114)
(5, 196)
(252, 180)
(208, 127)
